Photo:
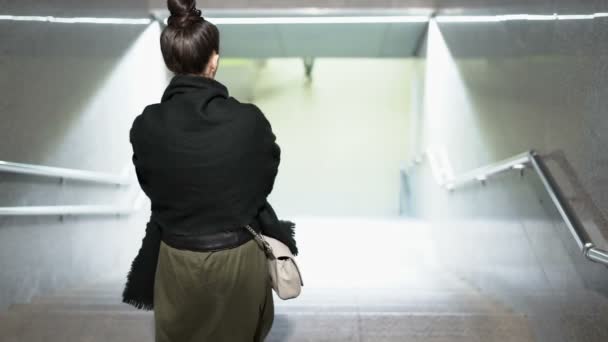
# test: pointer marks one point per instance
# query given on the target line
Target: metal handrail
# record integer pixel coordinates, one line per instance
(480, 174)
(76, 210)
(72, 174)
(63, 173)
(532, 159)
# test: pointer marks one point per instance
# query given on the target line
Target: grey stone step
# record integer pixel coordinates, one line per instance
(92, 325)
(382, 300)
(376, 315)
(76, 299)
(432, 328)
(413, 302)
(77, 327)
(574, 303)
(66, 307)
(89, 292)
(103, 288)
(282, 309)
(8, 323)
(119, 326)
(452, 328)
(330, 300)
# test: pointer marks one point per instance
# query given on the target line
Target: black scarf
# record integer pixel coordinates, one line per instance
(207, 162)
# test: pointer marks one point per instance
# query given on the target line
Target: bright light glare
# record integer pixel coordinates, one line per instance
(435, 167)
(319, 20)
(79, 20)
(516, 17)
(582, 16)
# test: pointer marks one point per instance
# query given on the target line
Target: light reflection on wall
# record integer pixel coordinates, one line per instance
(137, 80)
(447, 106)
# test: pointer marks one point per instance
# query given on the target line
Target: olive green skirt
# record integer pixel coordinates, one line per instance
(213, 297)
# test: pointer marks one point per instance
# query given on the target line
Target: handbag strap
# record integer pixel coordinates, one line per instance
(262, 242)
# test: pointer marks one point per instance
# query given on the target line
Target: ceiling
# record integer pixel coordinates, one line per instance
(379, 40)
(387, 40)
(573, 38)
(127, 8)
(76, 8)
(445, 6)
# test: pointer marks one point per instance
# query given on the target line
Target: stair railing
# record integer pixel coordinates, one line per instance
(62, 173)
(71, 174)
(520, 162)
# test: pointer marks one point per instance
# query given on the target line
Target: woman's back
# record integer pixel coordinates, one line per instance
(206, 161)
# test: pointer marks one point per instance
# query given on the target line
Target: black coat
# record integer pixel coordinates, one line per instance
(207, 162)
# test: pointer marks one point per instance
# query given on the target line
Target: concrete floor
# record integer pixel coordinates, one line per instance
(389, 280)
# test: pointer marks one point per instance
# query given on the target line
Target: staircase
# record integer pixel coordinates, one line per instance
(386, 282)
(96, 314)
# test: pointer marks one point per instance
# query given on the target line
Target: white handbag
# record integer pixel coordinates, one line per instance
(284, 272)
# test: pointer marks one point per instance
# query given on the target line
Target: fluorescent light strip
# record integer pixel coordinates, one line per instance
(516, 17)
(467, 19)
(79, 20)
(494, 18)
(582, 16)
(319, 20)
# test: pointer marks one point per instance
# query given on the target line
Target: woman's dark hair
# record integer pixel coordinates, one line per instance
(188, 41)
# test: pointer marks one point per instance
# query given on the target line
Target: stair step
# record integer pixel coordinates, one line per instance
(92, 323)
(9, 329)
(416, 302)
(89, 292)
(77, 327)
(118, 326)
(462, 314)
(398, 328)
(74, 299)
(66, 307)
(318, 300)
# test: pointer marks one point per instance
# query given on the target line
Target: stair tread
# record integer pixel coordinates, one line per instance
(44, 307)
(76, 326)
(93, 326)
(580, 302)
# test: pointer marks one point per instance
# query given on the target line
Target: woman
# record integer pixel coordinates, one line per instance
(207, 162)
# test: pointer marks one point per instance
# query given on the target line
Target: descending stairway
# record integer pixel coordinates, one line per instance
(95, 314)
(385, 286)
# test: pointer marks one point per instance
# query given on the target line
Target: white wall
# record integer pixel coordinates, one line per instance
(484, 109)
(70, 94)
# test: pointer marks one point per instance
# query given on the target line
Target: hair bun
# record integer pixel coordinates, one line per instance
(183, 12)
